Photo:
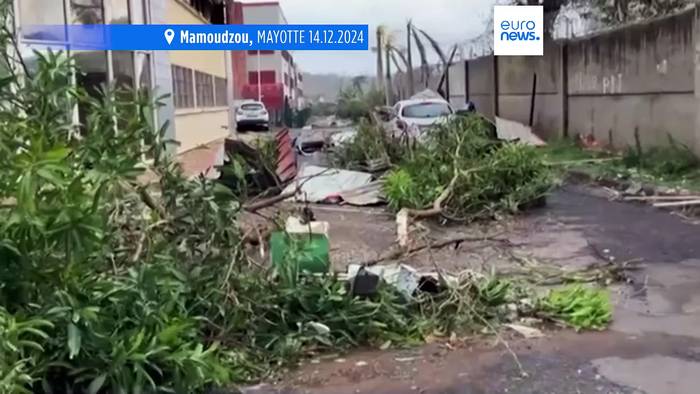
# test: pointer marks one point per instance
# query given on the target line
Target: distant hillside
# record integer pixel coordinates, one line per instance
(326, 85)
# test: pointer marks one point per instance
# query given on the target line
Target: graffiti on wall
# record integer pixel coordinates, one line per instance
(606, 84)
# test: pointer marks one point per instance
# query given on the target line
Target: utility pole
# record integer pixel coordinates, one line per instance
(259, 80)
(380, 60)
(409, 31)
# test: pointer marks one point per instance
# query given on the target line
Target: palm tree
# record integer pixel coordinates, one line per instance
(424, 66)
(409, 65)
(357, 83)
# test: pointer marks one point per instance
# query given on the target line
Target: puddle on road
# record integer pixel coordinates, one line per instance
(653, 374)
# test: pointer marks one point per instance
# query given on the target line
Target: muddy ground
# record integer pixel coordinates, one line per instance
(652, 347)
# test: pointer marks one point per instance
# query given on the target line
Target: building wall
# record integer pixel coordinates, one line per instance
(238, 58)
(268, 61)
(640, 77)
(194, 127)
(268, 13)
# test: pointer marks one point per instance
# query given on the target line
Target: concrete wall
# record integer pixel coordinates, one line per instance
(516, 76)
(481, 85)
(197, 126)
(641, 77)
(457, 87)
(637, 78)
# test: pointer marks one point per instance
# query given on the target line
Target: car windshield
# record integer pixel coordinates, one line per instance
(426, 110)
(251, 107)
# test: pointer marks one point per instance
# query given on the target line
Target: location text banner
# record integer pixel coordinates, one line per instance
(202, 37)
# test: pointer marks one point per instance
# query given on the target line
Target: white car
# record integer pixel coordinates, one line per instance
(417, 115)
(252, 115)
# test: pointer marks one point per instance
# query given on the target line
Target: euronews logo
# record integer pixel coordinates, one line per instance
(518, 30)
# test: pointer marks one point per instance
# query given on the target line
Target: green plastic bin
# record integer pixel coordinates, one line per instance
(313, 251)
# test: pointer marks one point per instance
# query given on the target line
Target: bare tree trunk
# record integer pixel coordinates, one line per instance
(411, 86)
(380, 61)
(389, 87)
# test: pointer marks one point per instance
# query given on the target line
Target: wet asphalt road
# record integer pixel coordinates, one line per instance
(652, 347)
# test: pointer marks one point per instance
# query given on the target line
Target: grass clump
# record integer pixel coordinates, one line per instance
(580, 307)
(673, 165)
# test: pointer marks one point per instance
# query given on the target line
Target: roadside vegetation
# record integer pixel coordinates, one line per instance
(673, 166)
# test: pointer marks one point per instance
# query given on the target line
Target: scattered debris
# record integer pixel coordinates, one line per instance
(676, 204)
(326, 184)
(525, 331)
(508, 130)
(369, 194)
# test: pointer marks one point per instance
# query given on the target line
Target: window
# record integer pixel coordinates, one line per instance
(93, 69)
(41, 12)
(252, 107)
(183, 88)
(120, 12)
(139, 14)
(262, 52)
(123, 68)
(205, 89)
(143, 69)
(86, 12)
(266, 77)
(220, 86)
(426, 110)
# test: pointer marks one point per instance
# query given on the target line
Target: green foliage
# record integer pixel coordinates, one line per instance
(580, 307)
(490, 175)
(624, 11)
(356, 104)
(403, 191)
(20, 346)
(673, 164)
(371, 143)
(673, 160)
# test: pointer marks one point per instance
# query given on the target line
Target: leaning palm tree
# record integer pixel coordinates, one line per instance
(424, 65)
(434, 44)
(409, 65)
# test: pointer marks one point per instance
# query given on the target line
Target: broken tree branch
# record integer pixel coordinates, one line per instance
(686, 203)
(398, 253)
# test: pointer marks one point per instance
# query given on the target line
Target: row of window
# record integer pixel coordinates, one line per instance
(53, 12)
(195, 89)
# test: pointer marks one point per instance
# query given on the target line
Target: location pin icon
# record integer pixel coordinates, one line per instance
(169, 35)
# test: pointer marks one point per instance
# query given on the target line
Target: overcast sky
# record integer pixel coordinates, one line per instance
(448, 21)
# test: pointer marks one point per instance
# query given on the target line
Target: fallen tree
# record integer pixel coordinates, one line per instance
(462, 173)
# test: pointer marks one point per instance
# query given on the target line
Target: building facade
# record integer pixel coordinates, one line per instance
(196, 81)
(269, 76)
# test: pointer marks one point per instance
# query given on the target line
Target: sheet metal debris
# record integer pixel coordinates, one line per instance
(320, 184)
(508, 130)
(369, 194)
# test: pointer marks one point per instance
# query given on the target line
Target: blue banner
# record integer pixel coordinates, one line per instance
(202, 37)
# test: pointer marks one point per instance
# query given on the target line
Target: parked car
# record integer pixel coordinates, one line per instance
(415, 116)
(252, 115)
